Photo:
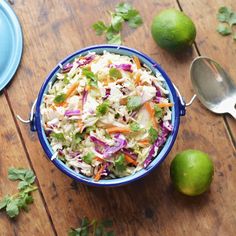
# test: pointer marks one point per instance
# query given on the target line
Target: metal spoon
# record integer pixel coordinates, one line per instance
(213, 86)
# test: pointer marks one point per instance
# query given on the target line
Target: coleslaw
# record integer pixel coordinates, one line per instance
(106, 115)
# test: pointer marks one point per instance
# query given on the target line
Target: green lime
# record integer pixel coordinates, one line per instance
(173, 30)
(191, 172)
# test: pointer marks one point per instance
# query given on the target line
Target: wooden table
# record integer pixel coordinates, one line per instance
(53, 29)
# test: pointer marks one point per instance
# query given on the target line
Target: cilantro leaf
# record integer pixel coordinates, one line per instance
(60, 98)
(232, 19)
(115, 73)
(58, 136)
(66, 80)
(92, 79)
(16, 173)
(134, 126)
(99, 27)
(4, 202)
(224, 14)
(102, 108)
(88, 158)
(120, 163)
(78, 137)
(158, 111)
(13, 204)
(123, 8)
(223, 30)
(123, 12)
(116, 22)
(12, 208)
(153, 134)
(96, 228)
(134, 103)
(112, 37)
(22, 185)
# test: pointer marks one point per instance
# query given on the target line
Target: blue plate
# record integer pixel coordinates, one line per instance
(11, 43)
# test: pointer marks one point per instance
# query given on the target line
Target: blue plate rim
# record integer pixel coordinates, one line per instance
(13, 66)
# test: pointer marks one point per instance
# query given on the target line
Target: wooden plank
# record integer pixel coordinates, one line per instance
(53, 29)
(36, 221)
(211, 43)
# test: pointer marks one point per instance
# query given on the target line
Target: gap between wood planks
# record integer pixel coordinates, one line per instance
(226, 123)
(28, 158)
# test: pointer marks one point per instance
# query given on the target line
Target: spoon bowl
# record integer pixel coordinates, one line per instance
(213, 86)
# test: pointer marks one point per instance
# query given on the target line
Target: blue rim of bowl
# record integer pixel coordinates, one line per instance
(18, 45)
(161, 155)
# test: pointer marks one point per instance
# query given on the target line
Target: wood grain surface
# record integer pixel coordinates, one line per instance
(52, 30)
(12, 154)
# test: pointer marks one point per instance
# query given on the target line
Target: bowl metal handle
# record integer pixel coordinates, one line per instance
(182, 103)
(31, 119)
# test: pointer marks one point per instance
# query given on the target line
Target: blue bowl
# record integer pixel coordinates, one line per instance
(177, 110)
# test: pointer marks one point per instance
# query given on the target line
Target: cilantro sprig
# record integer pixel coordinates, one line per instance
(227, 18)
(94, 227)
(124, 12)
(20, 200)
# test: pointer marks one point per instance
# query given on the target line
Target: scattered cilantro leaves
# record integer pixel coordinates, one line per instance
(92, 79)
(227, 18)
(58, 136)
(158, 111)
(96, 228)
(102, 108)
(120, 163)
(60, 98)
(134, 103)
(153, 134)
(88, 158)
(116, 22)
(123, 12)
(134, 126)
(115, 73)
(14, 203)
(78, 137)
(99, 27)
(224, 29)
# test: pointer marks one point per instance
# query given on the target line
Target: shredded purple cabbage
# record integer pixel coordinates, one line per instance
(98, 141)
(67, 68)
(119, 144)
(84, 97)
(130, 153)
(125, 67)
(100, 146)
(166, 128)
(72, 113)
(108, 92)
(86, 60)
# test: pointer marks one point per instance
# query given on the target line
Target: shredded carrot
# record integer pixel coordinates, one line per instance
(99, 173)
(116, 129)
(99, 159)
(61, 104)
(130, 160)
(72, 89)
(80, 125)
(161, 105)
(152, 113)
(137, 62)
(137, 80)
(144, 142)
(123, 101)
(53, 107)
